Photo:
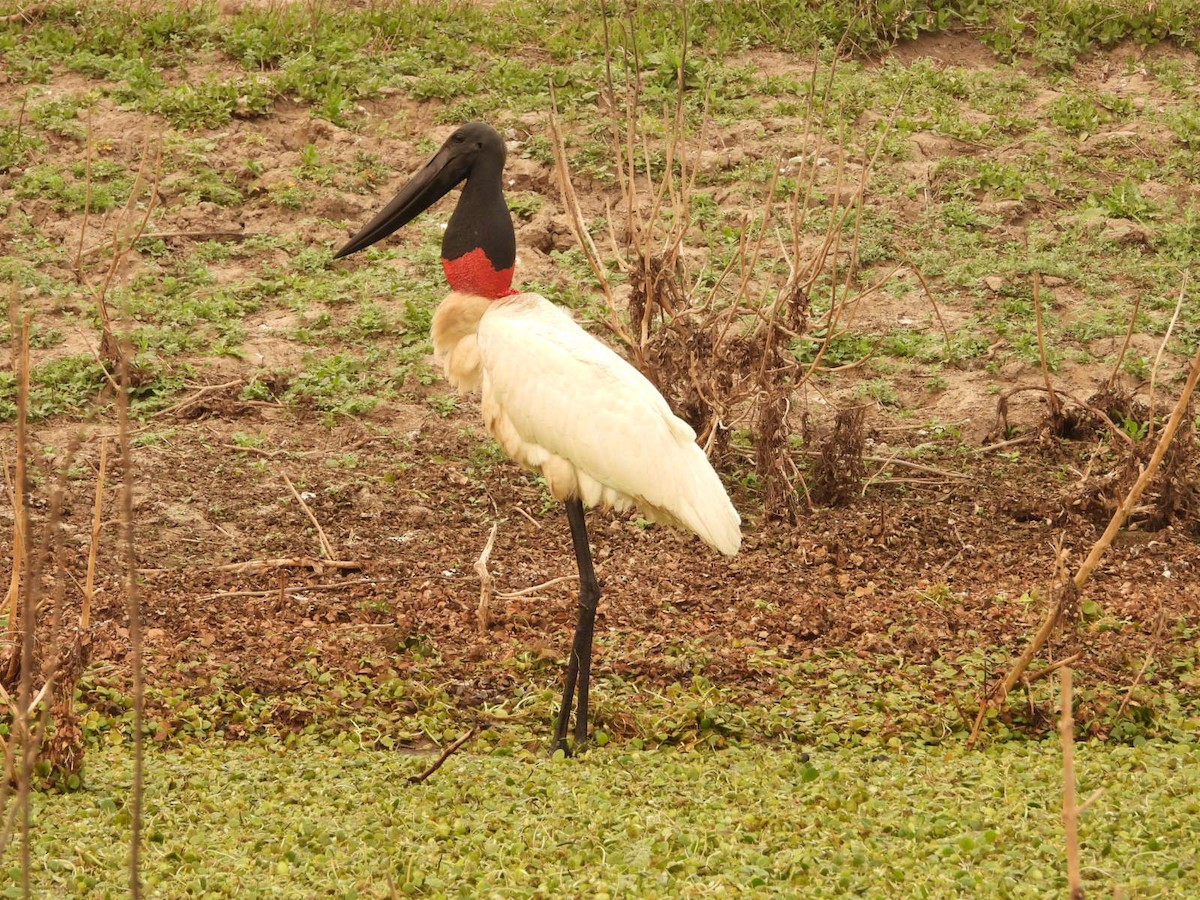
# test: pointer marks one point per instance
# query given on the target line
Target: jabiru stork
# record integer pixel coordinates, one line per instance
(555, 398)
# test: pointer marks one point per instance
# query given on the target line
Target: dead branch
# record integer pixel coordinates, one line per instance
(1053, 667)
(1112, 376)
(437, 763)
(326, 547)
(1162, 348)
(134, 614)
(483, 614)
(297, 589)
(1070, 812)
(262, 565)
(28, 14)
(85, 613)
(1051, 396)
(193, 399)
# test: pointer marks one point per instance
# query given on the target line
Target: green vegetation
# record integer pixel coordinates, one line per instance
(307, 820)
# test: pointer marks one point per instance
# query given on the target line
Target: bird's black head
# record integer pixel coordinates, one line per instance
(474, 152)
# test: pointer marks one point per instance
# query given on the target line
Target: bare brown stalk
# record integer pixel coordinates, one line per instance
(437, 763)
(262, 565)
(571, 202)
(109, 346)
(89, 587)
(28, 14)
(326, 546)
(176, 235)
(1053, 667)
(1161, 349)
(1070, 813)
(192, 399)
(1133, 686)
(299, 589)
(1051, 396)
(87, 198)
(30, 715)
(937, 311)
(1112, 376)
(134, 615)
(483, 614)
(23, 614)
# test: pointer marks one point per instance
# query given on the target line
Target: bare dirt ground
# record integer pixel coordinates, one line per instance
(929, 563)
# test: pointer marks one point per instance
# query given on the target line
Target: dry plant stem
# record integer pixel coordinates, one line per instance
(303, 588)
(89, 588)
(998, 693)
(937, 311)
(1070, 813)
(483, 614)
(525, 592)
(28, 14)
(192, 399)
(1132, 687)
(326, 547)
(261, 565)
(22, 735)
(1051, 396)
(1053, 667)
(1161, 348)
(20, 331)
(108, 346)
(1100, 414)
(1112, 376)
(87, 198)
(571, 202)
(1148, 473)
(437, 763)
(134, 614)
(16, 497)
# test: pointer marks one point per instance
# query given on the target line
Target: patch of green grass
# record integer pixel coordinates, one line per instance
(212, 103)
(881, 390)
(340, 383)
(68, 384)
(61, 116)
(1084, 113)
(905, 821)
(67, 188)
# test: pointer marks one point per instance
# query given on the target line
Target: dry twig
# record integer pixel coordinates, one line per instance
(437, 763)
(89, 587)
(298, 589)
(326, 546)
(192, 399)
(1070, 811)
(134, 612)
(483, 614)
(1053, 667)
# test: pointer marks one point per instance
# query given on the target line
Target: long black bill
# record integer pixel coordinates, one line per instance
(446, 169)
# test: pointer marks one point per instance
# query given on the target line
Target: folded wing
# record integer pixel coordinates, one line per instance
(562, 402)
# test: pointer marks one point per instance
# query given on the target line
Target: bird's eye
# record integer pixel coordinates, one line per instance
(457, 138)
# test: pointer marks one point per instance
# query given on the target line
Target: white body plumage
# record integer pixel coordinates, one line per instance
(560, 402)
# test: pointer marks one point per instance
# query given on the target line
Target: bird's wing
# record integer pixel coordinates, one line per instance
(569, 394)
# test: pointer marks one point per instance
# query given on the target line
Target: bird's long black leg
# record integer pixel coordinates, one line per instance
(579, 667)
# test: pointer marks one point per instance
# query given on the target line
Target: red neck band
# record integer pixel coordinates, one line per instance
(473, 273)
